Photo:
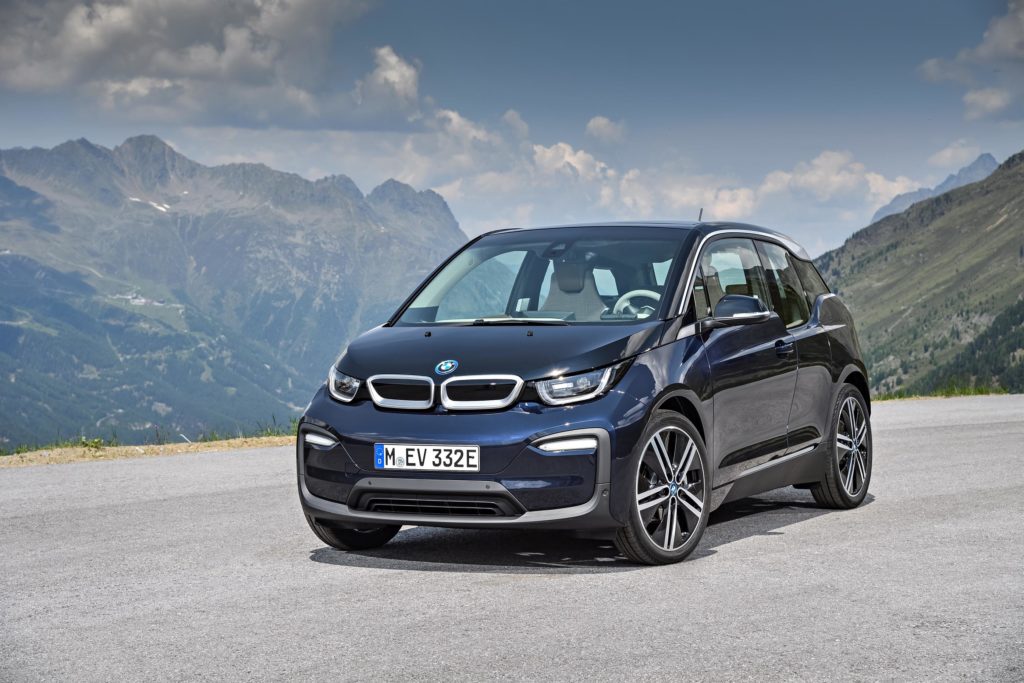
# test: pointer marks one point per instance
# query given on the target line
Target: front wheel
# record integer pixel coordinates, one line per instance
(353, 539)
(848, 470)
(669, 506)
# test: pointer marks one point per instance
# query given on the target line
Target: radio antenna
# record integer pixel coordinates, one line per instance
(701, 214)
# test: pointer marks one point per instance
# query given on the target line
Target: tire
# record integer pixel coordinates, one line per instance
(658, 505)
(838, 488)
(353, 539)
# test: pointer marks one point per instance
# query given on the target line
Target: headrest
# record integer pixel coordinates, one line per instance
(570, 276)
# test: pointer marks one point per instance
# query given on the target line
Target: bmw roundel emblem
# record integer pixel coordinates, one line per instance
(446, 367)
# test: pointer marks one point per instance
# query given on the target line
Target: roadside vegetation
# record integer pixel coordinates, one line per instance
(946, 391)
(83, 448)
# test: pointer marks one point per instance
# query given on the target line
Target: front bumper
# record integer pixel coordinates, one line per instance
(594, 514)
(518, 485)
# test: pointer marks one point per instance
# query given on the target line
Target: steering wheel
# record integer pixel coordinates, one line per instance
(625, 302)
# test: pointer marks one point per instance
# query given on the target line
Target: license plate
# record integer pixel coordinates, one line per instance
(434, 458)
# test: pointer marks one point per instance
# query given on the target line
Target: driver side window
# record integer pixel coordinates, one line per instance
(731, 266)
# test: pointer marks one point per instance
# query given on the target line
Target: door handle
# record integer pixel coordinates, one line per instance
(783, 348)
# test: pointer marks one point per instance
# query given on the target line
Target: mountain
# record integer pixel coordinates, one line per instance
(937, 280)
(142, 291)
(979, 169)
(994, 358)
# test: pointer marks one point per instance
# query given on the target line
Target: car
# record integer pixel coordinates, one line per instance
(616, 379)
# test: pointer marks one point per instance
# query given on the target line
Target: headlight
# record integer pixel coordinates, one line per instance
(581, 387)
(341, 386)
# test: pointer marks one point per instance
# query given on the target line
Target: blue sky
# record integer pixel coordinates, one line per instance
(805, 116)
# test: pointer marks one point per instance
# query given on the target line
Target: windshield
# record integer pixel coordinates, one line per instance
(555, 276)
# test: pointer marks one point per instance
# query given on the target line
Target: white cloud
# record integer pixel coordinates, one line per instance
(954, 155)
(515, 121)
(392, 76)
(992, 71)
(604, 129)
(939, 70)
(983, 102)
(452, 191)
(732, 204)
(243, 63)
(462, 128)
(636, 194)
(685, 196)
(1004, 38)
(829, 174)
(562, 158)
(881, 190)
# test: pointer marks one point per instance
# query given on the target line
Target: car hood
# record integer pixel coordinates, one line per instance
(496, 349)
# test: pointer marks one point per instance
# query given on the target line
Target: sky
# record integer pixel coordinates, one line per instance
(799, 115)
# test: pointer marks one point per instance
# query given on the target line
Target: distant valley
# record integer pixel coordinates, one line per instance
(144, 295)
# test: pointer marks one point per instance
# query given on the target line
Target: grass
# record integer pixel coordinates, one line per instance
(948, 391)
(273, 428)
(262, 430)
(69, 454)
(93, 444)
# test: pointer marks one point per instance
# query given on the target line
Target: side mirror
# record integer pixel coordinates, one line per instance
(737, 309)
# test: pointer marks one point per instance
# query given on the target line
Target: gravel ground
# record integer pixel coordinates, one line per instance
(201, 566)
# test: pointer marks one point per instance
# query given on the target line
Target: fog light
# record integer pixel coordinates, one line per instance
(576, 443)
(319, 441)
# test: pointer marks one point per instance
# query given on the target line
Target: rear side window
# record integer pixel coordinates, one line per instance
(731, 266)
(813, 285)
(787, 293)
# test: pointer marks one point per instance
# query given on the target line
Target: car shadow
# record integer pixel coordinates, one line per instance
(509, 551)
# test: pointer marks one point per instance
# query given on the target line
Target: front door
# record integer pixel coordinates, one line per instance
(753, 367)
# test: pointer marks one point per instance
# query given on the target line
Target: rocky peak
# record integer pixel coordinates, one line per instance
(340, 184)
(979, 169)
(1013, 162)
(152, 162)
(424, 215)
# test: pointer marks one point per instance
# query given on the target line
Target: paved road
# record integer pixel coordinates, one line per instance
(200, 566)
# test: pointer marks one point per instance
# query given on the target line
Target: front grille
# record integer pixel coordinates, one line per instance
(404, 390)
(437, 505)
(480, 392)
(409, 392)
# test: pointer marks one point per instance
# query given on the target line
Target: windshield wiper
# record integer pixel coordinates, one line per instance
(518, 321)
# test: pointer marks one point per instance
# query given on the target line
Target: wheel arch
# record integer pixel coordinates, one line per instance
(855, 376)
(685, 402)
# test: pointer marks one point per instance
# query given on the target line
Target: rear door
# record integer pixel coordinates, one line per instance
(753, 367)
(790, 300)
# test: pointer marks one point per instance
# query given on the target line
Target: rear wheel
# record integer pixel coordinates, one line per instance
(668, 508)
(353, 539)
(848, 470)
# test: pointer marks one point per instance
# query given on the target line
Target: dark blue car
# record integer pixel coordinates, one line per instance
(617, 378)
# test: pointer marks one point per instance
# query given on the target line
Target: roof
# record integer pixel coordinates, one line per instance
(704, 228)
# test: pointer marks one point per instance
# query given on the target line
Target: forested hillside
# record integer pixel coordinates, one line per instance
(933, 282)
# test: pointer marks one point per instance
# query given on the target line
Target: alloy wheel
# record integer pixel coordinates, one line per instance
(670, 488)
(852, 446)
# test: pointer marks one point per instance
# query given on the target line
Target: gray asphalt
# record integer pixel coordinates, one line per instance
(201, 566)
